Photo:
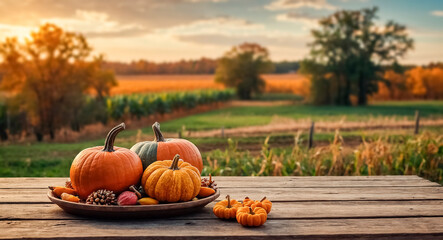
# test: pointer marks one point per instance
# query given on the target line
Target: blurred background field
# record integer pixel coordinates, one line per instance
(245, 89)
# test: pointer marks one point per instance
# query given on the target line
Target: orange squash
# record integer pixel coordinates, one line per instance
(205, 192)
(251, 218)
(69, 197)
(171, 180)
(264, 203)
(226, 209)
(59, 190)
(108, 167)
(165, 149)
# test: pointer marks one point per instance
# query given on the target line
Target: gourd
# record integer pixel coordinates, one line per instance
(205, 192)
(226, 209)
(58, 191)
(251, 218)
(147, 201)
(165, 149)
(171, 180)
(264, 203)
(69, 197)
(105, 167)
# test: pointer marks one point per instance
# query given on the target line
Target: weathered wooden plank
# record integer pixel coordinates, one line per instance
(265, 182)
(275, 194)
(202, 229)
(281, 210)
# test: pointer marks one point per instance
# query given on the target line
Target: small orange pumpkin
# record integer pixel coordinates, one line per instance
(226, 209)
(264, 203)
(251, 218)
(108, 167)
(247, 202)
(165, 148)
(171, 180)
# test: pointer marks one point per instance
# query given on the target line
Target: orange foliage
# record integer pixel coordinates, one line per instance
(425, 83)
(396, 88)
(286, 83)
(417, 83)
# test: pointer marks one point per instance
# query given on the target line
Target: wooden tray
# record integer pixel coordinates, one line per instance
(135, 211)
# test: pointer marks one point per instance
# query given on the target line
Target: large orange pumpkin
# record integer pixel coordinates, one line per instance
(105, 167)
(171, 181)
(165, 149)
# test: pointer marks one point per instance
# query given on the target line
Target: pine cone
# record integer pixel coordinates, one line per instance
(102, 197)
(205, 182)
(68, 184)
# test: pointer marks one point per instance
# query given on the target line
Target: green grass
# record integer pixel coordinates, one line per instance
(250, 116)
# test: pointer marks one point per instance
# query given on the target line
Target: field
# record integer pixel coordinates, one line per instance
(289, 83)
(250, 154)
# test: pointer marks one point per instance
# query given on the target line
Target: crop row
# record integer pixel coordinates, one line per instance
(139, 105)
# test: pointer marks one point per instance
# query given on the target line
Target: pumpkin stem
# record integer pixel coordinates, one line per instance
(174, 165)
(250, 211)
(158, 134)
(109, 142)
(132, 188)
(229, 201)
(263, 199)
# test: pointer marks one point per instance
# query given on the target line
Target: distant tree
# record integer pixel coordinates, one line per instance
(49, 75)
(241, 68)
(101, 80)
(347, 55)
(286, 66)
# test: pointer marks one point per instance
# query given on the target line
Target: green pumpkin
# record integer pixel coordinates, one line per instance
(165, 149)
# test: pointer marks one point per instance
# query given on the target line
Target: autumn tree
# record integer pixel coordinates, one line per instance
(101, 80)
(48, 75)
(241, 68)
(347, 54)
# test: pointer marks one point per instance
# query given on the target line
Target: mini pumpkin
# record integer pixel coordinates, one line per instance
(171, 180)
(164, 149)
(247, 202)
(251, 218)
(107, 167)
(264, 203)
(226, 209)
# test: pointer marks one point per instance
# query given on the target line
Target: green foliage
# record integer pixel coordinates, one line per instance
(347, 55)
(241, 67)
(286, 66)
(422, 155)
(139, 105)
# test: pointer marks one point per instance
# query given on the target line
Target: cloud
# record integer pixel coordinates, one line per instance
(295, 4)
(96, 24)
(299, 17)
(283, 41)
(198, 1)
(226, 25)
(437, 13)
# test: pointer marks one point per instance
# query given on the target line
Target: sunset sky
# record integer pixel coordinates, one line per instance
(165, 30)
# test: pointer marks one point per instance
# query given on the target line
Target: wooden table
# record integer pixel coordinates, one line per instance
(386, 207)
